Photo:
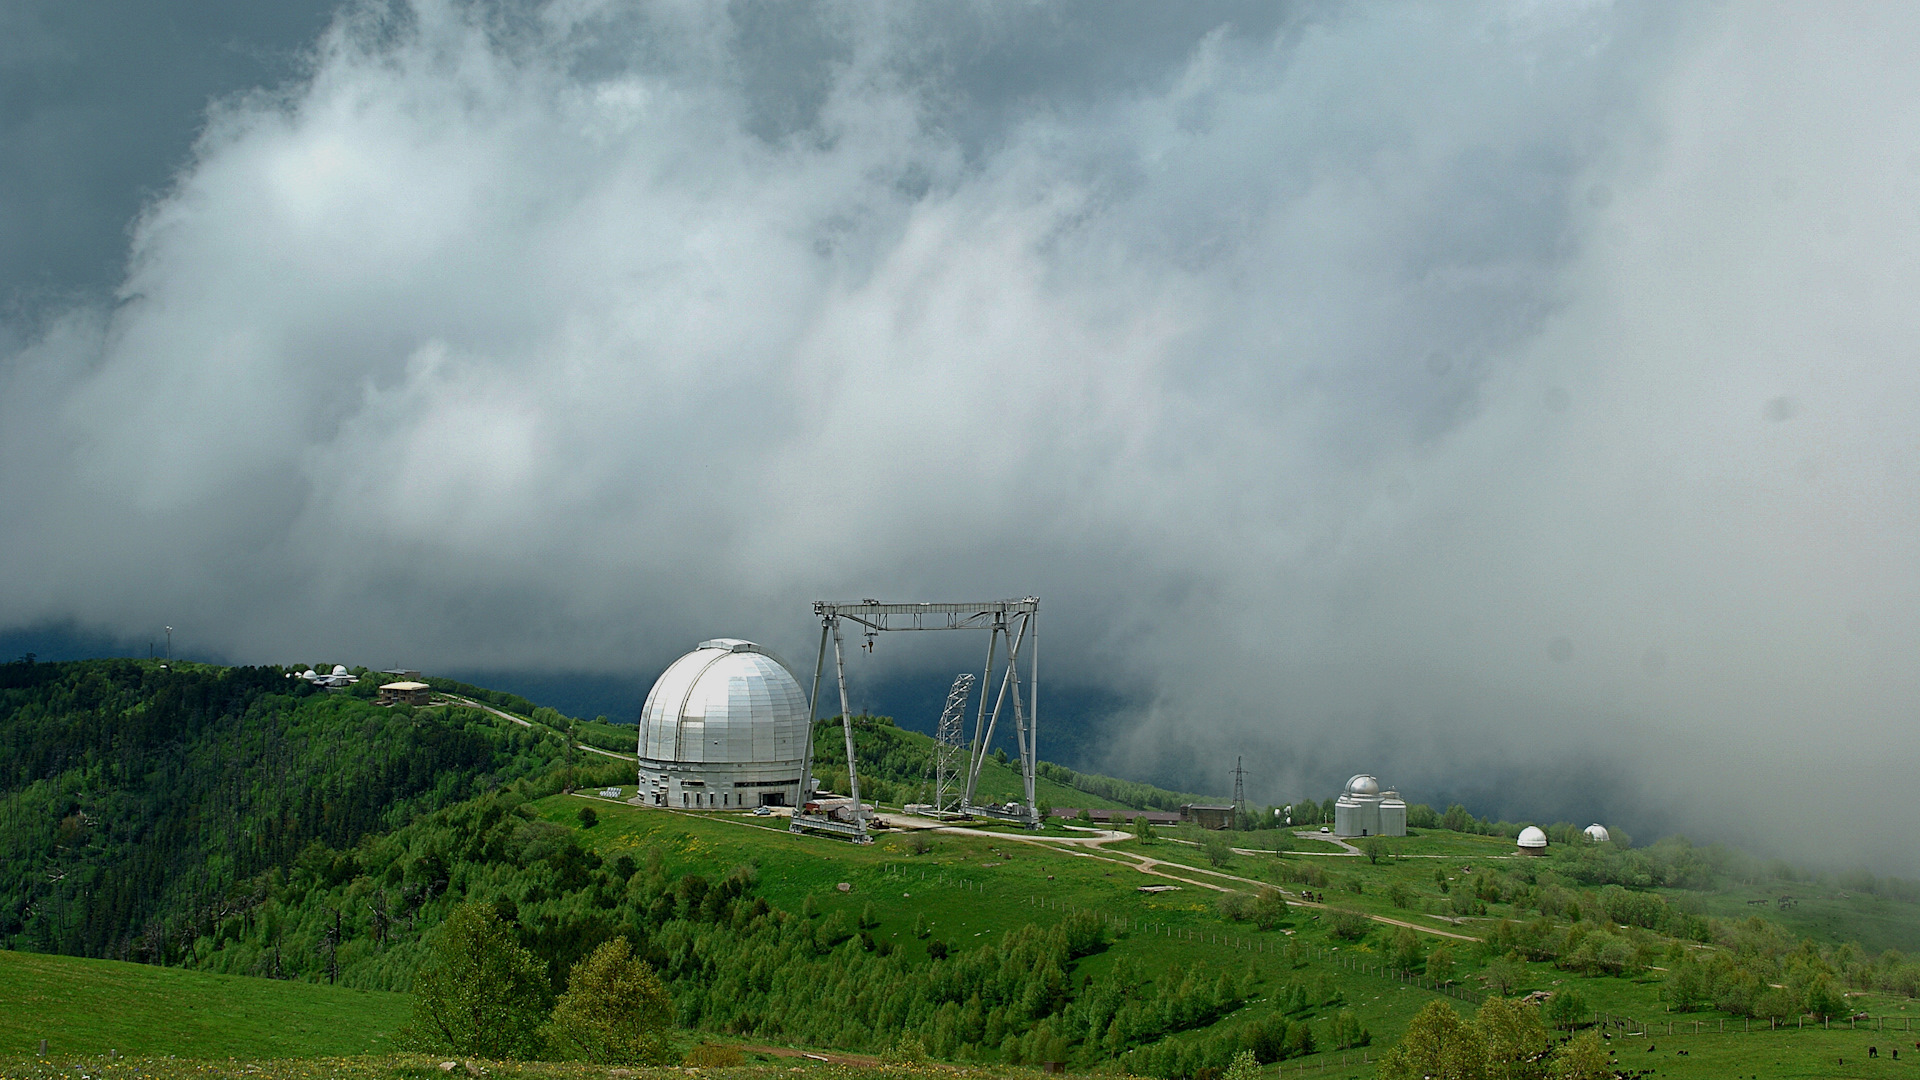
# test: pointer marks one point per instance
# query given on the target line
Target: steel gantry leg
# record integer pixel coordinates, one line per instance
(846, 726)
(1010, 678)
(813, 713)
(1031, 759)
(977, 752)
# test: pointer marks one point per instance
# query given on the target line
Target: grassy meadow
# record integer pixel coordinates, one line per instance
(970, 888)
(90, 1007)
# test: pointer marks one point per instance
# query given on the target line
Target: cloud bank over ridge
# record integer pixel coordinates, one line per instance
(1510, 400)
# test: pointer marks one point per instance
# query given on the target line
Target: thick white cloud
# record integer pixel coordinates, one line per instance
(1456, 394)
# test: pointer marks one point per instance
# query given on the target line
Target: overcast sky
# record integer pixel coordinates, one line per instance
(1520, 401)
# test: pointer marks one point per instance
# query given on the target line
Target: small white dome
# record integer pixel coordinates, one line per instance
(339, 669)
(309, 674)
(1363, 784)
(1532, 837)
(1597, 833)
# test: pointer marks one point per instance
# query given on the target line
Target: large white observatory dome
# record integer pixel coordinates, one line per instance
(724, 726)
(1363, 785)
(1533, 840)
(1597, 833)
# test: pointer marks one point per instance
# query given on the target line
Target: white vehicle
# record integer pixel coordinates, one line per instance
(761, 811)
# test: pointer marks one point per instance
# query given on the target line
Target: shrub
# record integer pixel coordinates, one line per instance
(1237, 906)
(832, 931)
(1407, 952)
(1243, 1067)
(1348, 925)
(909, 1050)
(588, 818)
(715, 1056)
(1346, 1031)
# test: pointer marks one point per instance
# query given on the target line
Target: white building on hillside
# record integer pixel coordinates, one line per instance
(1364, 810)
(725, 726)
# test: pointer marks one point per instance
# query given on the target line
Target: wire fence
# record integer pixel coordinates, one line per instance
(1741, 1025)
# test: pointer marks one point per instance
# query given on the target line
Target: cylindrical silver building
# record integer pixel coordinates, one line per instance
(1364, 810)
(725, 726)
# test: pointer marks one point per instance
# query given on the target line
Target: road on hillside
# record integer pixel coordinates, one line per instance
(529, 723)
(1148, 865)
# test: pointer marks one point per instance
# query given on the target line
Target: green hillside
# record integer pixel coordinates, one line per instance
(237, 823)
(89, 1007)
(896, 766)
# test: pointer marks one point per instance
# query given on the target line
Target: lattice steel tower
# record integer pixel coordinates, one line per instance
(949, 743)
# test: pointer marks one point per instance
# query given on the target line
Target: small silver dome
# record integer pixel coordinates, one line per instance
(1363, 784)
(1597, 833)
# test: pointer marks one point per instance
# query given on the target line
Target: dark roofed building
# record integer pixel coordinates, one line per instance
(1208, 817)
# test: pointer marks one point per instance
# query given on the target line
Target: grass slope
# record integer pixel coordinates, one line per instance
(85, 1006)
(972, 888)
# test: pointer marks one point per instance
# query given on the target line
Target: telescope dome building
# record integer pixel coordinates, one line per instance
(1532, 841)
(1365, 810)
(725, 726)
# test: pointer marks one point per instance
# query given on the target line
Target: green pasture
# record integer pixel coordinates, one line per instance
(82, 1006)
(1826, 913)
(972, 888)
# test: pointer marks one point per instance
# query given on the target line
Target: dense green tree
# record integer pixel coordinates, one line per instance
(479, 992)
(1438, 1043)
(1567, 1008)
(1407, 951)
(1584, 1058)
(1503, 975)
(616, 1011)
(1269, 909)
